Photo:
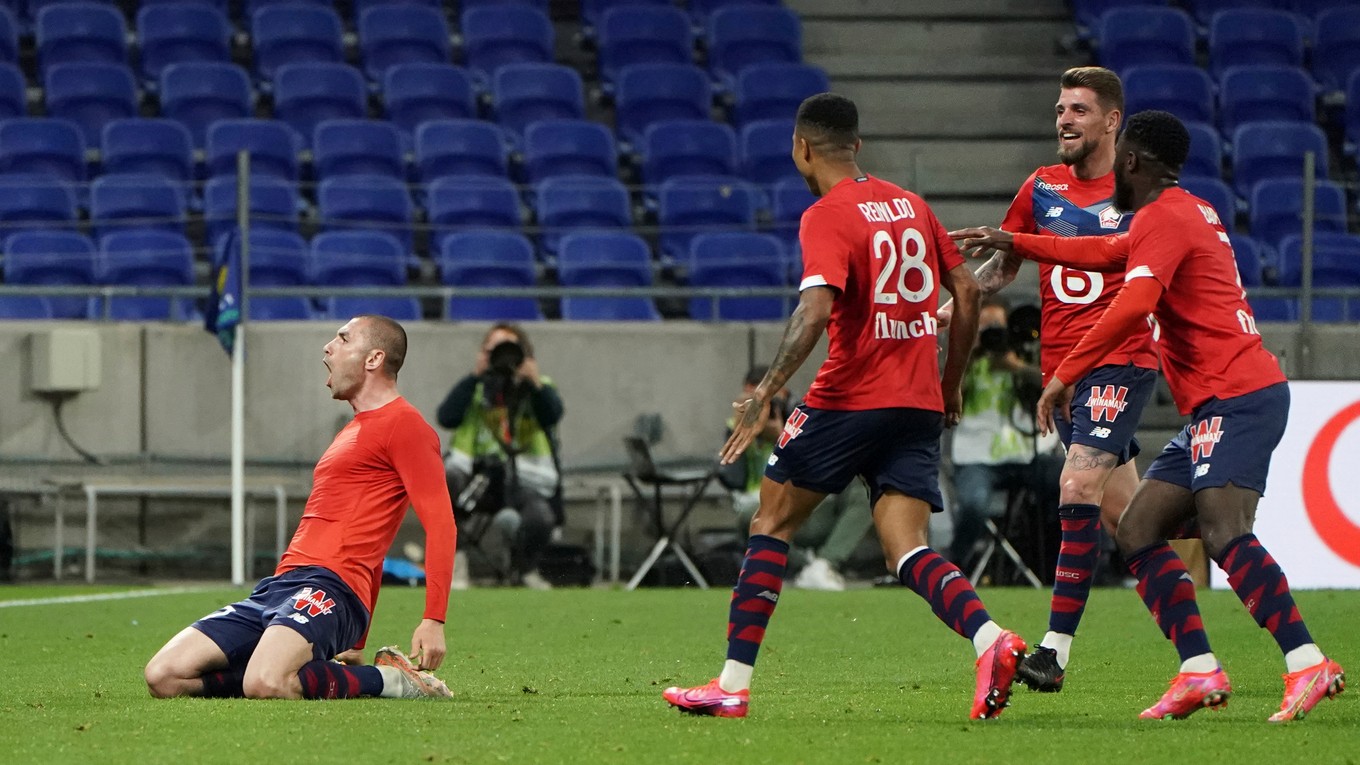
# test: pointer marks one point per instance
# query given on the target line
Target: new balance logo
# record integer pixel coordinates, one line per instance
(1054, 212)
(1106, 403)
(299, 618)
(315, 601)
(773, 597)
(1202, 470)
(1100, 432)
(792, 427)
(773, 459)
(1203, 435)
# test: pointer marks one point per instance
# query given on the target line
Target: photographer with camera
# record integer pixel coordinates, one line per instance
(989, 450)
(828, 538)
(503, 452)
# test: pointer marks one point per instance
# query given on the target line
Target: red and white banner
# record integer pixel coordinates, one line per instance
(1309, 518)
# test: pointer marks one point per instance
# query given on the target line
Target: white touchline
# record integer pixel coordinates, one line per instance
(105, 596)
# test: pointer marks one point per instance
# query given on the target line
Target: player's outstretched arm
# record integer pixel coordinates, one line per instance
(804, 329)
(962, 334)
(994, 275)
(1091, 253)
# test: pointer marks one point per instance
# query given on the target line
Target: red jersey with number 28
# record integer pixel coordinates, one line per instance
(1054, 201)
(1210, 346)
(882, 249)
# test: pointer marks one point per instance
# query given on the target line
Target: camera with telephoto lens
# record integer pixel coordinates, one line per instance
(502, 364)
(994, 340)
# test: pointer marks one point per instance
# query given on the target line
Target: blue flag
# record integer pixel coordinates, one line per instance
(223, 311)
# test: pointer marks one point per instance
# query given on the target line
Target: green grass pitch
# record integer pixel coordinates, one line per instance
(575, 676)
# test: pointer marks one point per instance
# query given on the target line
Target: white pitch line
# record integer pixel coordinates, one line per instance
(104, 596)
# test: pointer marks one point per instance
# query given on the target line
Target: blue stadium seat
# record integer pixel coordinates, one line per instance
(1206, 151)
(43, 146)
(497, 35)
(765, 149)
(460, 147)
(1276, 209)
(1261, 93)
(648, 93)
(341, 308)
(295, 33)
(775, 90)
(576, 202)
(1336, 46)
(542, 6)
(9, 37)
(1249, 263)
(306, 95)
(392, 35)
(172, 33)
(417, 93)
(1087, 13)
(1184, 90)
(688, 147)
(643, 34)
(52, 258)
(1218, 195)
(737, 260)
(358, 259)
(741, 35)
(273, 148)
(606, 259)
(569, 147)
(366, 202)
(152, 146)
(592, 11)
(789, 197)
(1273, 308)
(1204, 11)
(80, 32)
(362, 5)
(346, 147)
(525, 93)
(203, 92)
(456, 202)
(26, 308)
(280, 307)
(1352, 114)
(273, 205)
(700, 10)
(138, 201)
(35, 7)
(220, 5)
(1336, 260)
(277, 259)
(251, 6)
(13, 92)
(90, 95)
(29, 202)
(489, 259)
(1143, 36)
(144, 258)
(1275, 149)
(692, 205)
(1254, 36)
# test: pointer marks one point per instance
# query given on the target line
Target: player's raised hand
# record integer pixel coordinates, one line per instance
(427, 644)
(751, 416)
(978, 241)
(1056, 396)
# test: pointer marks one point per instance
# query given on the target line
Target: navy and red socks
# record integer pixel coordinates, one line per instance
(950, 595)
(1077, 558)
(755, 596)
(1169, 593)
(1261, 586)
(226, 684)
(329, 680)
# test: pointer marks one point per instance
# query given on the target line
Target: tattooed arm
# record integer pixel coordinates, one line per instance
(999, 271)
(804, 329)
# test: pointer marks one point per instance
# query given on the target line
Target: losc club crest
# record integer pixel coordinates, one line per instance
(1110, 217)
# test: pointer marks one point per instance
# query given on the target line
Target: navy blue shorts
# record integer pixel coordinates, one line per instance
(1227, 441)
(312, 600)
(1107, 405)
(823, 450)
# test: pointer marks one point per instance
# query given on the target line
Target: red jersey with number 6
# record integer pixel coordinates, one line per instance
(1210, 345)
(882, 249)
(1054, 201)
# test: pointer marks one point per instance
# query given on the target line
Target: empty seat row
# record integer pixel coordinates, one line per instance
(1244, 93)
(1132, 36)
